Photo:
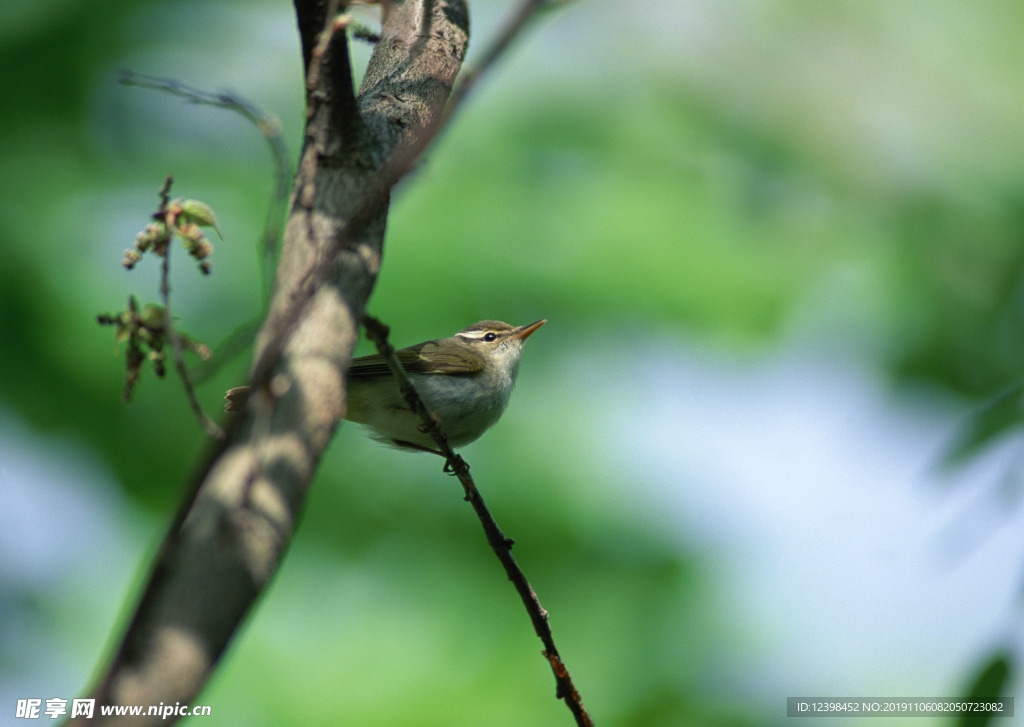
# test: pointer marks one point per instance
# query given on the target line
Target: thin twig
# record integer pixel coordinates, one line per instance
(269, 126)
(502, 545)
(468, 79)
(332, 24)
(209, 426)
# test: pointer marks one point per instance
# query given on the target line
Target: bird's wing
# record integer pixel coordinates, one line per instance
(449, 359)
(424, 358)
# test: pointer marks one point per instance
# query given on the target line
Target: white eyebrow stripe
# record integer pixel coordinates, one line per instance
(473, 335)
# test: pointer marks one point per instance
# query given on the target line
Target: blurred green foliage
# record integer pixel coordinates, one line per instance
(991, 683)
(622, 192)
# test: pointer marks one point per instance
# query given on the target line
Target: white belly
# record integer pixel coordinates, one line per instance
(466, 406)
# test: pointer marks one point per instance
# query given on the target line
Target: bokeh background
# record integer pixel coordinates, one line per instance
(768, 444)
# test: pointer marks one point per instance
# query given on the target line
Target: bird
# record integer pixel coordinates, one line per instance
(465, 381)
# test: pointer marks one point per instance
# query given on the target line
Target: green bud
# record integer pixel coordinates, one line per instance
(200, 213)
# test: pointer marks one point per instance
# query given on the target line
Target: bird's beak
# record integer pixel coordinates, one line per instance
(523, 332)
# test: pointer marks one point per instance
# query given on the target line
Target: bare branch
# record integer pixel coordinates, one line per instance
(525, 13)
(500, 544)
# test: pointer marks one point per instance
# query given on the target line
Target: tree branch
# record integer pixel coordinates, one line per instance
(500, 544)
(230, 534)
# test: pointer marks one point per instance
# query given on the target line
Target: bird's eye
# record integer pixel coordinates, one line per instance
(490, 336)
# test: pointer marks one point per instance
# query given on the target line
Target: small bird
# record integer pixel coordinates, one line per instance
(465, 381)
